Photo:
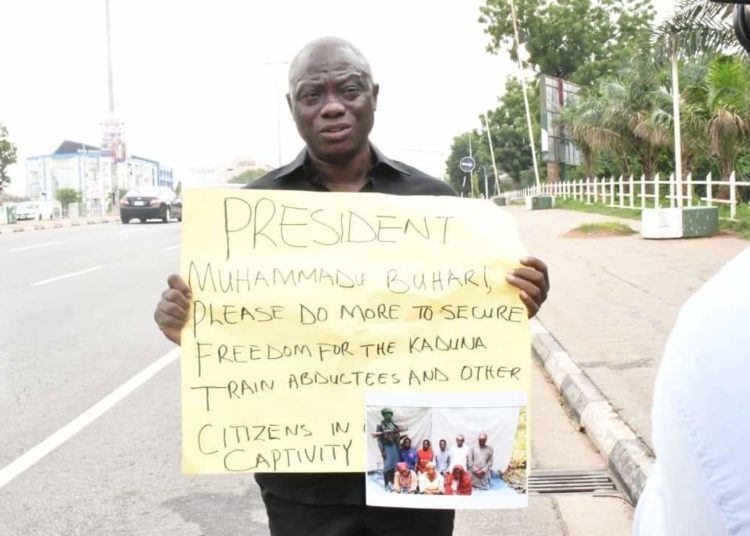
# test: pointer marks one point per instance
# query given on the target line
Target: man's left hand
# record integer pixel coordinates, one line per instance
(533, 283)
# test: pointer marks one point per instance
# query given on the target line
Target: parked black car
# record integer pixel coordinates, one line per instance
(150, 203)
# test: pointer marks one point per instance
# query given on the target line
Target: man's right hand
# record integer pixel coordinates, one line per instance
(172, 311)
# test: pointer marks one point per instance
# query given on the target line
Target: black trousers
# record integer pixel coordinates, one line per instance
(287, 518)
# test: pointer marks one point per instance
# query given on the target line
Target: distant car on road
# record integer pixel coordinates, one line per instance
(150, 203)
(33, 210)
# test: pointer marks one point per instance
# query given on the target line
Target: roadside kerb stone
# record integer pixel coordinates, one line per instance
(54, 224)
(627, 456)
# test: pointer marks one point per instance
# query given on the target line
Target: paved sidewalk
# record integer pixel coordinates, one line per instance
(612, 304)
(23, 226)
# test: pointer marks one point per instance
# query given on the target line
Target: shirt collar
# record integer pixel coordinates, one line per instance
(302, 163)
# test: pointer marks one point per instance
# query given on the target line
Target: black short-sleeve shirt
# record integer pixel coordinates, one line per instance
(385, 176)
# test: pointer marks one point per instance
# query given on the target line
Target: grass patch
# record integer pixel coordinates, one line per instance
(572, 204)
(610, 228)
(739, 228)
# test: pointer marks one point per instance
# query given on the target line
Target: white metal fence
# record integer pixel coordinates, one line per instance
(627, 192)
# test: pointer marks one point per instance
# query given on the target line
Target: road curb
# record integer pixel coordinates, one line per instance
(627, 456)
(55, 224)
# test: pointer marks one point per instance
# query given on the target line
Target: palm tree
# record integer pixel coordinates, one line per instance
(728, 108)
(694, 116)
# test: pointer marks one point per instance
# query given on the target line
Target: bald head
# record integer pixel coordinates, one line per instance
(333, 100)
(328, 55)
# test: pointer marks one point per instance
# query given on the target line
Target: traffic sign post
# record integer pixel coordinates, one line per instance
(467, 164)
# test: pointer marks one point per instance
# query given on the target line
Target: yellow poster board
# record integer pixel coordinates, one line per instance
(303, 302)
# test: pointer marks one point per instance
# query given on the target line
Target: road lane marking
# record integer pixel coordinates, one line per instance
(39, 451)
(172, 247)
(35, 247)
(72, 274)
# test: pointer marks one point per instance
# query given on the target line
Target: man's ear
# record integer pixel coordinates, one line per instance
(375, 92)
(289, 102)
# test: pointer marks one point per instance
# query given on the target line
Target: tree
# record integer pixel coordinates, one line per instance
(8, 155)
(728, 107)
(579, 40)
(459, 149)
(248, 176)
(66, 196)
(619, 116)
(694, 119)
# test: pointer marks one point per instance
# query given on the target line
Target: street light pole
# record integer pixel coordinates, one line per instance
(492, 154)
(677, 121)
(525, 93)
(110, 79)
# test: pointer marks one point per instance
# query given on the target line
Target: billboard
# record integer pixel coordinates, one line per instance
(557, 147)
(112, 144)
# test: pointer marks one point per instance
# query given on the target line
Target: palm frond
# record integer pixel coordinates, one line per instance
(697, 27)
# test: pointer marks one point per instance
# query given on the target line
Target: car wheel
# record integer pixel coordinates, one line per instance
(125, 221)
(165, 215)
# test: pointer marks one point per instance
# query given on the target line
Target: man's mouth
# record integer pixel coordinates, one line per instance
(335, 132)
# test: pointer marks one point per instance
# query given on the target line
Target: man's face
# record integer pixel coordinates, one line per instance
(407, 443)
(460, 441)
(425, 444)
(443, 444)
(387, 416)
(482, 440)
(333, 102)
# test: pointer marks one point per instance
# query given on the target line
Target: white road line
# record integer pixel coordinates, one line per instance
(39, 451)
(35, 247)
(72, 274)
(172, 247)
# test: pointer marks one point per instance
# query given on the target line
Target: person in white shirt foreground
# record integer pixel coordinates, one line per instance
(700, 484)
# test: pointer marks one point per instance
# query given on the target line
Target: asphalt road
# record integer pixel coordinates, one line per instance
(89, 399)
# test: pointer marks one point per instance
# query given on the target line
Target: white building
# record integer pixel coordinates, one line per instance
(207, 176)
(81, 167)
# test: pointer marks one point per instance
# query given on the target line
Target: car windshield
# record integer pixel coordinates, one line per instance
(145, 191)
(28, 205)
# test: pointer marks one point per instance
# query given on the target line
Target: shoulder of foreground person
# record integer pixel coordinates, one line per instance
(701, 479)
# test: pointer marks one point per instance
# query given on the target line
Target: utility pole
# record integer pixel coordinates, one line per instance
(492, 154)
(110, 80)
(525, 93)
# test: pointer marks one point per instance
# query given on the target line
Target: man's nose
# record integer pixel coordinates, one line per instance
(332, 107)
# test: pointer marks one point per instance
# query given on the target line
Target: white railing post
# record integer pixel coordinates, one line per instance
(672, 185)
(622, 193)
(596, 190)
(657, 191)
(732, 196)
(643, 192)
(709, 190)
(690, 189)
(612, 191)
(631, 191)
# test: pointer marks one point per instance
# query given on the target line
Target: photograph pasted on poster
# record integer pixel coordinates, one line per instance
(459, 451)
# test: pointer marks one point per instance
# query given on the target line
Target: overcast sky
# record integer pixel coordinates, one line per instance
(199, 83)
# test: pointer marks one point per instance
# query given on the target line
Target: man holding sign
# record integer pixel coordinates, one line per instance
(332, 98)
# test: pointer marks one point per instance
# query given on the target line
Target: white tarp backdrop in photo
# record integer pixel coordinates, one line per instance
(499, 423)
